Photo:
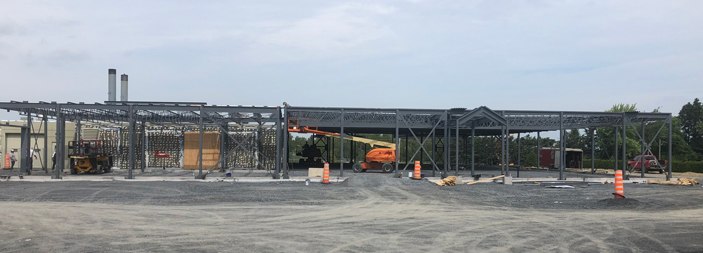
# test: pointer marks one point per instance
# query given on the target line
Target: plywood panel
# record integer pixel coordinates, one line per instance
(211, 150)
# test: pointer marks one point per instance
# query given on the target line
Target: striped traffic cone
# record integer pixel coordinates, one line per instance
(326, 174)
(7, 161)
(416, 175)
(619, 190)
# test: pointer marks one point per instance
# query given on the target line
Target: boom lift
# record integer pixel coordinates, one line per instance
(381, 158)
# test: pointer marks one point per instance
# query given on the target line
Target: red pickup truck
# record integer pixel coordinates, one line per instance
(650, 163)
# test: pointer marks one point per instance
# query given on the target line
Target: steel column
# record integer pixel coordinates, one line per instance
(445, 144)
(25, 147)
(28, 143)
(341, 145)
(45, 120)
(422, 141)
(562, 149)
(502, 150)
(473, 135)
(617, 147)
(625, 120)
(285, 143)
(132, 147)
(200, 149)
(593, 150)
(224, 132)
(278, 145)
(642, 149)
(397, 142)
(669, 162)
(433, 156)
(456, 147)
(507, 148)
(518, 155)
(539, 154)
(406, 149)
(79, 130)
(59, 143)
(144, 147)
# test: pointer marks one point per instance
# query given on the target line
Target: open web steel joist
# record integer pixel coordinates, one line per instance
(420, 124)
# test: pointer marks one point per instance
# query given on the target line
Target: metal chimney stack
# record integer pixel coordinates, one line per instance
(124, 92)
(111, 85)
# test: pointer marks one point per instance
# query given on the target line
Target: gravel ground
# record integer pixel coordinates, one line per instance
(368, 212)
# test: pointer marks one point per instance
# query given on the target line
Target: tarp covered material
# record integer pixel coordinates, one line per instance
(211, 150)
(681, 181)
(450, 180)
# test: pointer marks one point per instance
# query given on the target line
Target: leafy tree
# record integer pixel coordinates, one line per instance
(691, 116)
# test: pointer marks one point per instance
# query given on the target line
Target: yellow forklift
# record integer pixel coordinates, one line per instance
(90, 156)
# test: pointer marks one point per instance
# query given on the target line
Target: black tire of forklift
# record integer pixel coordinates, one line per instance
(357, 167)
(387, 168)
(98, 169)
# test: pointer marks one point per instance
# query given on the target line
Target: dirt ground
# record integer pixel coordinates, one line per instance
(368, 212)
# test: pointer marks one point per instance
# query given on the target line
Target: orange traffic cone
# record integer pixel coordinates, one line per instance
(326, 174)
(416, 175)
(7, 161)
(619, 190)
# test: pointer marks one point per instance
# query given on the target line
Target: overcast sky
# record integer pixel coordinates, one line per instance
(541, 55)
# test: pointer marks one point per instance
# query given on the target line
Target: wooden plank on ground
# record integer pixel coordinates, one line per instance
(484, 180)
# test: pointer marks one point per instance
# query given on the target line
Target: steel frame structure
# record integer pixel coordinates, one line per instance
(420, 124)
(166, 113)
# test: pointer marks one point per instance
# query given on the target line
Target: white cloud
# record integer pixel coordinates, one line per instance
(332, 29)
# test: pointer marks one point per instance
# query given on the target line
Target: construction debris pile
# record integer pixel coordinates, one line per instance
(681, 181)
(448, 181)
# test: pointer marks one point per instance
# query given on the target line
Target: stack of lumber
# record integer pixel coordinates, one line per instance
(681, 181)
(448, 181)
